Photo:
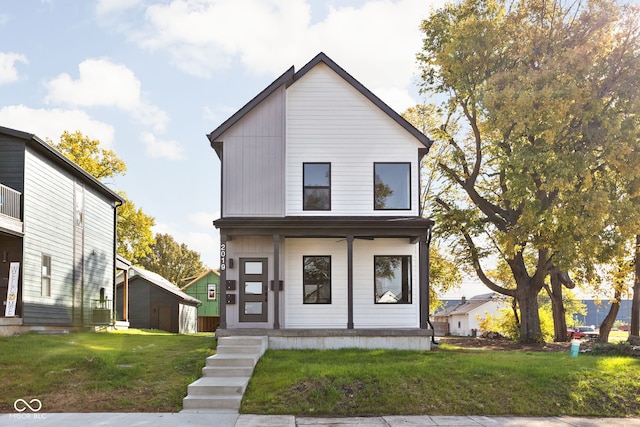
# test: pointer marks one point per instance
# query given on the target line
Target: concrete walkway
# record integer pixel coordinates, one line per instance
(230, 419)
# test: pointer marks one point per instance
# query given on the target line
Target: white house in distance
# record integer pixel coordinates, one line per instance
(462, 319)
(321, 231)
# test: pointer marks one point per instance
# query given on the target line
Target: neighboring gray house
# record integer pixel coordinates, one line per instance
(156, 303)
(57, 226)
(320, 195)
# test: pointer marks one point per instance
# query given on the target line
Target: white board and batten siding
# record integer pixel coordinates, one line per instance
(253, 161)
(328, 120)
(49, 230)
(367, 314)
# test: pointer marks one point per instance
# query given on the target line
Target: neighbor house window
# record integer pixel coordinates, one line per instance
(316, 279)
(46, 276)
(392, 279)
(392, 187)
(317, 186)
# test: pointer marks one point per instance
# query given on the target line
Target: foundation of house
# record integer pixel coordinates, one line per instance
(331, 339)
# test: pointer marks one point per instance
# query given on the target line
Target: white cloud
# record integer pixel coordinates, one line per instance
(376, 42)
(49, 124)
(102, 83)
(105, 7)
(203, 219)
(8, 61)
(157, 148)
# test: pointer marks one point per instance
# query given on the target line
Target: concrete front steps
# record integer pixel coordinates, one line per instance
(226, 374)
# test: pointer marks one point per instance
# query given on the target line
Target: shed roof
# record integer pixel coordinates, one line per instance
(289, 77)
(54, 155)
(160, 282)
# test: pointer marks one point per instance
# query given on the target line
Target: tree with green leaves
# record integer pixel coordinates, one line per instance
(86, 153)
(542, 122)
(172, 260)
(134, 235)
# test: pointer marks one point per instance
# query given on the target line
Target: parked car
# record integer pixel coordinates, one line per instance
(588, 332)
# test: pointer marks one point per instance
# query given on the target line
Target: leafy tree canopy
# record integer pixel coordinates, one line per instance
(542, 122)
(172, 260)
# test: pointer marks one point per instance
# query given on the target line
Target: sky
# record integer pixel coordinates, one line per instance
(149, 79)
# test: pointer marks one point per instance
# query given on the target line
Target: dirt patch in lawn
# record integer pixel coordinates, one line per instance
(508, 345)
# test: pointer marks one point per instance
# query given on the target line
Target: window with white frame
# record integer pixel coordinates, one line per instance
(45, 290)
(392, 279)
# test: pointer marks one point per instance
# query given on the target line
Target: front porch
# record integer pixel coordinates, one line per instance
(331, 339)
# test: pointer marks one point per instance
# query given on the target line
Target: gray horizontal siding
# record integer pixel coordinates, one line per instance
(49, 229)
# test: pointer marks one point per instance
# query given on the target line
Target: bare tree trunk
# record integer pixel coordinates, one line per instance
(557, 306)
(635, 304)
(530, 331)
(610, 318)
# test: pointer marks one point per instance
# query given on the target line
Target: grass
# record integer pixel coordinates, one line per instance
(125, 371)
(443, 382)
(145, 371)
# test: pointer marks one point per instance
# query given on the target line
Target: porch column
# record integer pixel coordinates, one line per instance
(424, 279)
(276, 281)
(349, 282)
(222, 292)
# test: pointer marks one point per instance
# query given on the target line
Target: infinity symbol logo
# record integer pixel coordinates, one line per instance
(21, 405)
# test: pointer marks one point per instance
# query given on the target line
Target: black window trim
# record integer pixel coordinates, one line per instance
(304, 257)
(408, 298)
(319, 187)
(374, 186)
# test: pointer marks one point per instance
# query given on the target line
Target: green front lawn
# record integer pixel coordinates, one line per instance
(443, 382)
(127, 371)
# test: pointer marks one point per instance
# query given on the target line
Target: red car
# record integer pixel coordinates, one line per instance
(583, 332)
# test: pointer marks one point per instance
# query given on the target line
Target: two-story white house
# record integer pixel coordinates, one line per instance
(320, 229)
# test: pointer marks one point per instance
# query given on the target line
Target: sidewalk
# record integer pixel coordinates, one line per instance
(226, 419)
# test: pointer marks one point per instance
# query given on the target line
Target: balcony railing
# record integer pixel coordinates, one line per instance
(9, 202)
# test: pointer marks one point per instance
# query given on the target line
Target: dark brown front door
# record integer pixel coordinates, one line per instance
(253, 290)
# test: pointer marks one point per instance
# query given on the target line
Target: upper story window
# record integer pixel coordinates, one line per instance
(392, 279)
(317, 186)
(316, 279)
(392, 186)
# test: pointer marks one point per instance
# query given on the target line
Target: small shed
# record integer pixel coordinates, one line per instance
(156, 303)
(204, 287)
(461, 319)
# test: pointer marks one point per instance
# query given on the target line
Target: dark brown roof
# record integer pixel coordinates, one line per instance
(290, 77)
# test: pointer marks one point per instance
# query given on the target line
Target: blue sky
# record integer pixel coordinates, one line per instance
(150, 79)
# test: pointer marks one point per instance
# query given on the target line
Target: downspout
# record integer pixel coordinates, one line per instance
(117, 204)
(429, 235)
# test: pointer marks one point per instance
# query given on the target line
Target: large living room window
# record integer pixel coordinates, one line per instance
(317, 186)
(392, 279)
(316, 279)
(392, 186)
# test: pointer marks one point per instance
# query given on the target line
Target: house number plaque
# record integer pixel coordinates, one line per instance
(223, 256)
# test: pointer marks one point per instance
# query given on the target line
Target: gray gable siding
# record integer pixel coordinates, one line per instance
(253, 161)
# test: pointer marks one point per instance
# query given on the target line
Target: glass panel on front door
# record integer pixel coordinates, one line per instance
(254, 292)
